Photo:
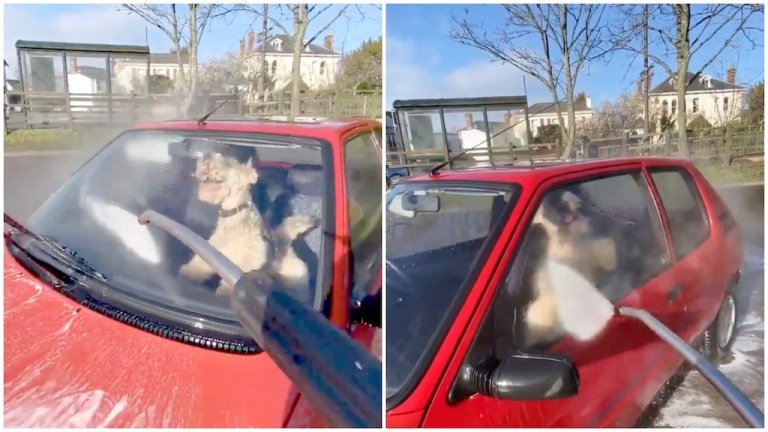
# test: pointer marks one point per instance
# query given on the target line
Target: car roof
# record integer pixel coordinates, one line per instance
(539, 171)
(329, 129)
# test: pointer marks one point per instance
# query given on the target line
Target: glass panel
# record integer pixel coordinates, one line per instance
(43, 72)
(433, 250)
(422, 130)
(128, 74)
(86, 74)
(219, 187)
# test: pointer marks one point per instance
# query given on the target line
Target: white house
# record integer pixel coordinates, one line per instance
(545, 113)
(319, 64)
(715, 101)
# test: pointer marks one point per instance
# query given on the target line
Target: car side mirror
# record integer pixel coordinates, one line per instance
(522, 376)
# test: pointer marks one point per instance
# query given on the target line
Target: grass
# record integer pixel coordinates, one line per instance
(740, 171)
(56, 139)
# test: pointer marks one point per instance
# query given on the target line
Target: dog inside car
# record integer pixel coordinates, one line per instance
(241, 233)
(565, 233)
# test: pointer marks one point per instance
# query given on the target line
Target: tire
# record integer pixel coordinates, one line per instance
(720, 336)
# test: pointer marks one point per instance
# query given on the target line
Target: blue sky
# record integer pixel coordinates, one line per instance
(103, 23)
(423, 62)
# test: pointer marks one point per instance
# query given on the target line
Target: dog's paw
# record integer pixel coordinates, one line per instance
(194, 272)
(294, 227)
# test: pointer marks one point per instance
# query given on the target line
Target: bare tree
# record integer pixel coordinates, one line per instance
(613, 118)
(683, 32)
(221, 73)
(185, 32)
(568, 38)
(301, 16)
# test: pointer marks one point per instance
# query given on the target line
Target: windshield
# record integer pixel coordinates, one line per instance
(254, 197)
(437, 236)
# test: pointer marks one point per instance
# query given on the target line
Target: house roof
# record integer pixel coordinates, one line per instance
(286, 47)
(580, 104)
(700, 84)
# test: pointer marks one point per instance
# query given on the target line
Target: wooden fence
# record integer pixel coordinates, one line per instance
(77, 111)
(722, 145)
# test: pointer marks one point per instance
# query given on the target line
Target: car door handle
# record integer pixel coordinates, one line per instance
(675, 292)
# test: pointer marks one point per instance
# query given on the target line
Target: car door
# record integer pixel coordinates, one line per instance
(699, 283)
(618, 367)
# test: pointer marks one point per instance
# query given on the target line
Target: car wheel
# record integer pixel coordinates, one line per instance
(719, 338)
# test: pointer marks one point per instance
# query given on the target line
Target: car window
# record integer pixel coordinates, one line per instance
(437, 237)
(603, 228)
(248, 195)
(362, 161)
(685, 212)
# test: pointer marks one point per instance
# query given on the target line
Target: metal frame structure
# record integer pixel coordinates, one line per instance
(410, 160)
(69, 49)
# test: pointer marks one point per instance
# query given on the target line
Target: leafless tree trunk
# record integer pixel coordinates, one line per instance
(683, 47)
(685, 30)
(569, 35)
(263, 66)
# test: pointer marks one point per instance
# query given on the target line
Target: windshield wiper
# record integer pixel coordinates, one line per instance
(51, 251)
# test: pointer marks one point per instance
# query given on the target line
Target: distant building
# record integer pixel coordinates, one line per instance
(706, 99)
(545, 113)
(319, 64)
(133, 72)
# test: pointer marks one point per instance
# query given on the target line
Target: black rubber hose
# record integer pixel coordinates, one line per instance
(340, 378)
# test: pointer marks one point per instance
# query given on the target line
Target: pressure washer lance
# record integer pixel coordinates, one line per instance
(338, 376)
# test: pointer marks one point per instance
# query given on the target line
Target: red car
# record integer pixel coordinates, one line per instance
(100, 329)
(475, 335)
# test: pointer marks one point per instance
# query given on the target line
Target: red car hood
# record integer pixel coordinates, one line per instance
(68, 366)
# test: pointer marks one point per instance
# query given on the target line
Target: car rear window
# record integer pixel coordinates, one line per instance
(684, 208)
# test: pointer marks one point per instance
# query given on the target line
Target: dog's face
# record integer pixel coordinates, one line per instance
(224, 180)
(562, 212)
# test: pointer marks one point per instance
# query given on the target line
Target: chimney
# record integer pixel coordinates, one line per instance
(242, 46)
(250, 41)
(328, 42)
(468, 121)
(640, 86)
(72, 65)
(731, 79)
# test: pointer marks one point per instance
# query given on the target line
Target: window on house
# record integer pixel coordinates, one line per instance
(725, 104)
(135, 72)
(674, 107)
(665, 107)
(322, 68)
(696, 105)
(175, 73)
(274, 66)
(154, 71)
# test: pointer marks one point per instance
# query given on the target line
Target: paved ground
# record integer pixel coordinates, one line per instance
(30, 179)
